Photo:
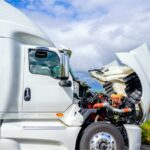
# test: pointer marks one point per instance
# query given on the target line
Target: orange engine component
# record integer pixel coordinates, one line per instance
(127, 110)
(116, 100)
(98, 105)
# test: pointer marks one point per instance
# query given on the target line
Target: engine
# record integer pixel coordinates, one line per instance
(119, 104)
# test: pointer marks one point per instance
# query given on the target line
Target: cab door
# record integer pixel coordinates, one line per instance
(42, 92)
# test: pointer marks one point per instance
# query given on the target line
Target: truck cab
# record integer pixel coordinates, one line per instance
(33, 69)
(36, 87)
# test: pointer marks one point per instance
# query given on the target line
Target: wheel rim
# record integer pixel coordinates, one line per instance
(102, 141)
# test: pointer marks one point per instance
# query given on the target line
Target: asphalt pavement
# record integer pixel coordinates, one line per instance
(145, 147)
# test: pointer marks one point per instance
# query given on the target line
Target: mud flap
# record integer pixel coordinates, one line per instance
(134, 136)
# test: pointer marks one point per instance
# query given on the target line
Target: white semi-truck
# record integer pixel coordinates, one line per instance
(42, 106)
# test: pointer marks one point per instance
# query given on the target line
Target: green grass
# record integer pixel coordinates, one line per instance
(146, 132)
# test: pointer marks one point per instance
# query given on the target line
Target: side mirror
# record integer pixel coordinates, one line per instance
(64, 70)
(64, 66)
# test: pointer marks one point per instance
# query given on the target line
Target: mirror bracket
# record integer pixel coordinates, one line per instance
(65, 83)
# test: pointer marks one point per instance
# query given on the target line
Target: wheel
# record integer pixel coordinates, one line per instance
(101, 136)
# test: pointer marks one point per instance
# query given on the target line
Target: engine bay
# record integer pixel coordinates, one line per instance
(120, 101)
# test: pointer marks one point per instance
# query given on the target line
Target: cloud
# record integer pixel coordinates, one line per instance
(93, 29)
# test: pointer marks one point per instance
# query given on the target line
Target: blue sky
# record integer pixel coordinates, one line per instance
(93, 29)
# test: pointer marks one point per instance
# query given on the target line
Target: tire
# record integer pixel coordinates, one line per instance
(96, 130)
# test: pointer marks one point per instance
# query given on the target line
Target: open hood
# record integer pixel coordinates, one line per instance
(139, 60)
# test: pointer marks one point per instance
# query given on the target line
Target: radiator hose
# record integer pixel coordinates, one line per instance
(107, 105)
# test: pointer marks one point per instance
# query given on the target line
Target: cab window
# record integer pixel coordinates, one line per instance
(44, 62)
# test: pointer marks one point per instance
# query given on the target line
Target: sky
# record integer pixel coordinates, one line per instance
(93, 29)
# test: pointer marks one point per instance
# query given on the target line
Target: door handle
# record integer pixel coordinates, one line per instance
(27, 94)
